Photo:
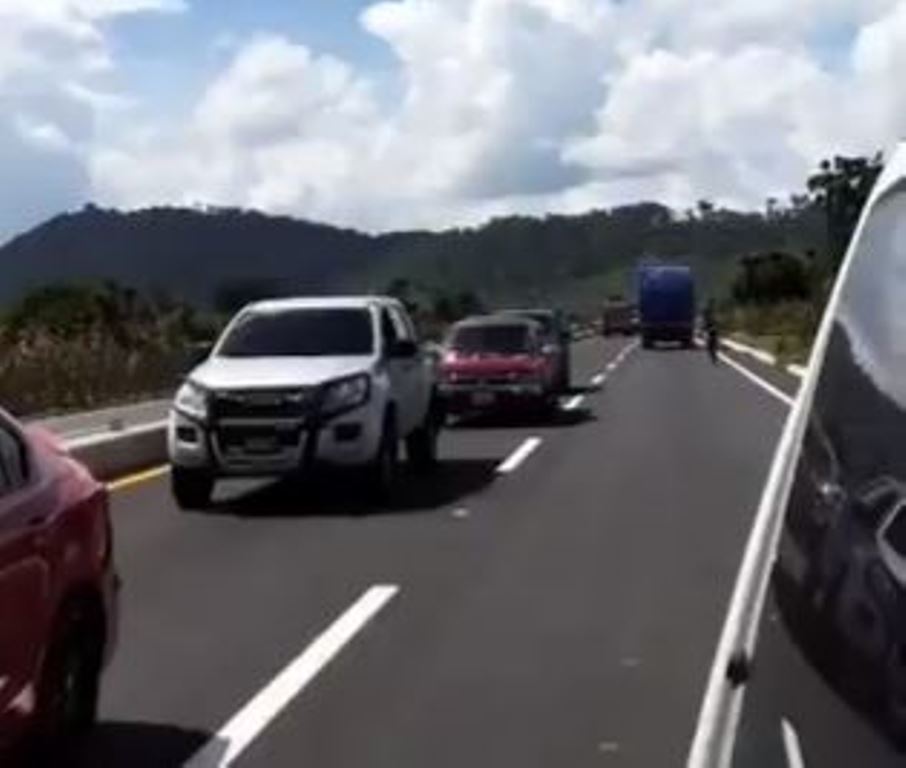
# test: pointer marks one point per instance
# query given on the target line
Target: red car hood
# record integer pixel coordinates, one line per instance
(491, 365)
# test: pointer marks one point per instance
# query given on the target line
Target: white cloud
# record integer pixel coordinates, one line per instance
(501, 105)
(54, 59)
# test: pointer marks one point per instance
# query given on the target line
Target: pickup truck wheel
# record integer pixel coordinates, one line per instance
(384, 467)
(421, 445)
(192, 488)
(67, 695)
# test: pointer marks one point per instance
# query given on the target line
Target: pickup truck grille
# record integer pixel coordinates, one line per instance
(263, 404)
(263, 441)
(484, 381)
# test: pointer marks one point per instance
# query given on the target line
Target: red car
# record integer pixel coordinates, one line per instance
(496, 362)
(58, 595)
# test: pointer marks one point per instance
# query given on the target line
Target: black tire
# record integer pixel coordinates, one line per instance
(192, 488)
(67, 696)
(421, 445)
(647, 342)
(566, 377)
(384, 468)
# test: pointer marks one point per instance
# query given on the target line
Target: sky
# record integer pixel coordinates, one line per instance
(397, 114)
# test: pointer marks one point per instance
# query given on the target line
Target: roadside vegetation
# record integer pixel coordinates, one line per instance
(75, 346)
(67, 347)
(776, 298)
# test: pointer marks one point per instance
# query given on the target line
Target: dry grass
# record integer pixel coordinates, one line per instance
(47, 374)
(785, 329)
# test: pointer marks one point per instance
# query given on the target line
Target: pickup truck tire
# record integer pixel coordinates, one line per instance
(566, 377)
(192, 488)
(384, 468)
(67, 695)
(421, 445)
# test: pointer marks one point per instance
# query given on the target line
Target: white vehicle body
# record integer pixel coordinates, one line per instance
(267, 415)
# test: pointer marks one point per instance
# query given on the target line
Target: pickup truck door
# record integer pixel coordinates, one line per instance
(415, 372)
(405, 372)
(24, 576)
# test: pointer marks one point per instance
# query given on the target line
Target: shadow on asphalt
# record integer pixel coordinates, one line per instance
(340, 494)
(138, 745)
(517, 420)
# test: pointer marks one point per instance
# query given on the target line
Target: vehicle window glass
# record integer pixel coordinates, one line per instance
(389, 335)
(895, 533)
(545, 321)
(500, 339)
(401, 326)
(873, 508)
(13, 470)
(300, 333)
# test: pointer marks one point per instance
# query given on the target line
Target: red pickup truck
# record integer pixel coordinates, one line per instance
(495, 362)
(58, 595)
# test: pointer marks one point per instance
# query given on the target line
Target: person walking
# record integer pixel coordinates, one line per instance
(712, 335)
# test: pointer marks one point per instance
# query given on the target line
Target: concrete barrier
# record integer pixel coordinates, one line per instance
(113, 454)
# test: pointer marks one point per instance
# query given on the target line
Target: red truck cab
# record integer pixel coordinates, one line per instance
(497, 362)
(58, 595)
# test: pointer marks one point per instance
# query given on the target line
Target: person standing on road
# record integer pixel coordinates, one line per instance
(712, 335)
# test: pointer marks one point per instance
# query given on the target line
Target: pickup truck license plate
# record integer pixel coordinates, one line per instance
(261, 444)
(483, 398)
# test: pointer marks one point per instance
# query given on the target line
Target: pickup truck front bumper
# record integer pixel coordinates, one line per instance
(262, 448)
(462, 398)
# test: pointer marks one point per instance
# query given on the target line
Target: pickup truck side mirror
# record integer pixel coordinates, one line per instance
(199, 352)
(404, 349)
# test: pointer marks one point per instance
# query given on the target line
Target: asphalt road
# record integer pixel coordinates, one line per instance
(563, 613)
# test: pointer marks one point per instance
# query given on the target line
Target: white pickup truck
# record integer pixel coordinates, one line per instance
(295, 383)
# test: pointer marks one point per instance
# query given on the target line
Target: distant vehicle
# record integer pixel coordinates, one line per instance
(58, 595)
(666, 304)
(619, 316)
(497, 362)
(294, 383)
(557, 340)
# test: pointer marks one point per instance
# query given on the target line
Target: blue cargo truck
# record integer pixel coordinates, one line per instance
(666, 304)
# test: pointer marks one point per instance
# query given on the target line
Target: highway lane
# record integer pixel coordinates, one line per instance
(564, 614)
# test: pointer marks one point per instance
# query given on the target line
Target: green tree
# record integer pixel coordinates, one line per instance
(841, 187)
(770, 278)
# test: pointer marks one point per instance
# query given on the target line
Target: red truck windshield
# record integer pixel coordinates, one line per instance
(498, 339)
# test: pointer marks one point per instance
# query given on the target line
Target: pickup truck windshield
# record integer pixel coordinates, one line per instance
(497, 339)
(301, 333)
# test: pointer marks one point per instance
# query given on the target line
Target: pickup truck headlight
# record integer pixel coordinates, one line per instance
(346, 394)
(192, 400)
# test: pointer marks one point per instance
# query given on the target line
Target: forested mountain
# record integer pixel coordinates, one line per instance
(216, 256)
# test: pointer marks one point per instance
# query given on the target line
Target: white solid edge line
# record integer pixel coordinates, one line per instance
(598, 380)
(515, 459)
(755, 379)
(247, 724)
(574, 403)
(791, 745)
